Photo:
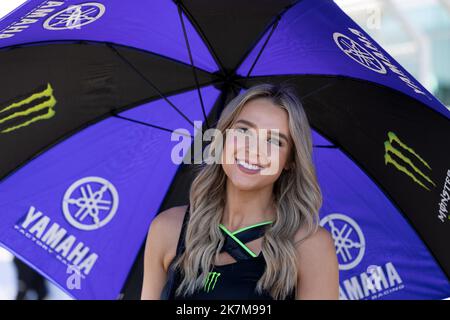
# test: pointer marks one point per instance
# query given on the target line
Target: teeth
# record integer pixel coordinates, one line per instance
(248, 165)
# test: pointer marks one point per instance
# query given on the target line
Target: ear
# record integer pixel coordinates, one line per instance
(290, 163)
(289, 166)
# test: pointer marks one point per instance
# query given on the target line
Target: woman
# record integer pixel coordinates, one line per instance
(250, 230)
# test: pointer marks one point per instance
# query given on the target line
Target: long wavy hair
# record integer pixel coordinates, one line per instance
(297, 197)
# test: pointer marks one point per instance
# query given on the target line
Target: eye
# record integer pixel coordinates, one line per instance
(275, 141)
(242, 129)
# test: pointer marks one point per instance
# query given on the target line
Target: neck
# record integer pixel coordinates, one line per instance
(247, 207)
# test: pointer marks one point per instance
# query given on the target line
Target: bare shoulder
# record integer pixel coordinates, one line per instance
(320, 241)
(169, 219)
(165, 231)
(317, 266)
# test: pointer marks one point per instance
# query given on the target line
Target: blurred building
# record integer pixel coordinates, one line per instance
(415, 32)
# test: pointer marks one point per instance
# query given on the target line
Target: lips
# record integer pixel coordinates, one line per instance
(247, 167)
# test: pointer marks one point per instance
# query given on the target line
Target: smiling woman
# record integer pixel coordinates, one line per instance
(250, 230)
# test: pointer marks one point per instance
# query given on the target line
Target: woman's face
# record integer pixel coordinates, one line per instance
(254, 154)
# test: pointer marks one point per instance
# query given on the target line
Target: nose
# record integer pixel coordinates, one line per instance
(255, 152)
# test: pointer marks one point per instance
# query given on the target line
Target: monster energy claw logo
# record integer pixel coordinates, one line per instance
(411, 170)
(33, 107)
(211, 280)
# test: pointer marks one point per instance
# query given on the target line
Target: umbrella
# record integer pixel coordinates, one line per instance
(92, 91)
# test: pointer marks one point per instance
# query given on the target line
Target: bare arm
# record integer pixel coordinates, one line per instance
(160, 249)
(318, 268)
(154, 273)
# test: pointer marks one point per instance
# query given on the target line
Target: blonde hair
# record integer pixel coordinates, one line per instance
(297, 197)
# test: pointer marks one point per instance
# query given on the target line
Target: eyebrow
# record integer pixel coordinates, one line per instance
(251, 124)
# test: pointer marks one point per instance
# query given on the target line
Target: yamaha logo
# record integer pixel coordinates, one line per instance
(374, 283)
(367, 54)
(358, 53)
(90, 203)
(76, 16)
(348, 239)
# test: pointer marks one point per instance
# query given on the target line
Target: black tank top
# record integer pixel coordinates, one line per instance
(236, 280)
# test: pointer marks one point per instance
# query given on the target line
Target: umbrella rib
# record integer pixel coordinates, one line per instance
(327, 85)
(192, 64)
(149, 124)
(274, 26)
(270, 25)
(150, 83)
(202, 34)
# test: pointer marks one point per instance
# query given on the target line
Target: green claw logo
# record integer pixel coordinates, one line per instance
(211, 281)
(36, 106)
(411, 170)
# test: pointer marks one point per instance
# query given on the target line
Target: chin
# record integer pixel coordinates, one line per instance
(246, 183)
(246, 187)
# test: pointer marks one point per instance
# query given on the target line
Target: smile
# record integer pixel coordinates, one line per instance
(247, 167)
